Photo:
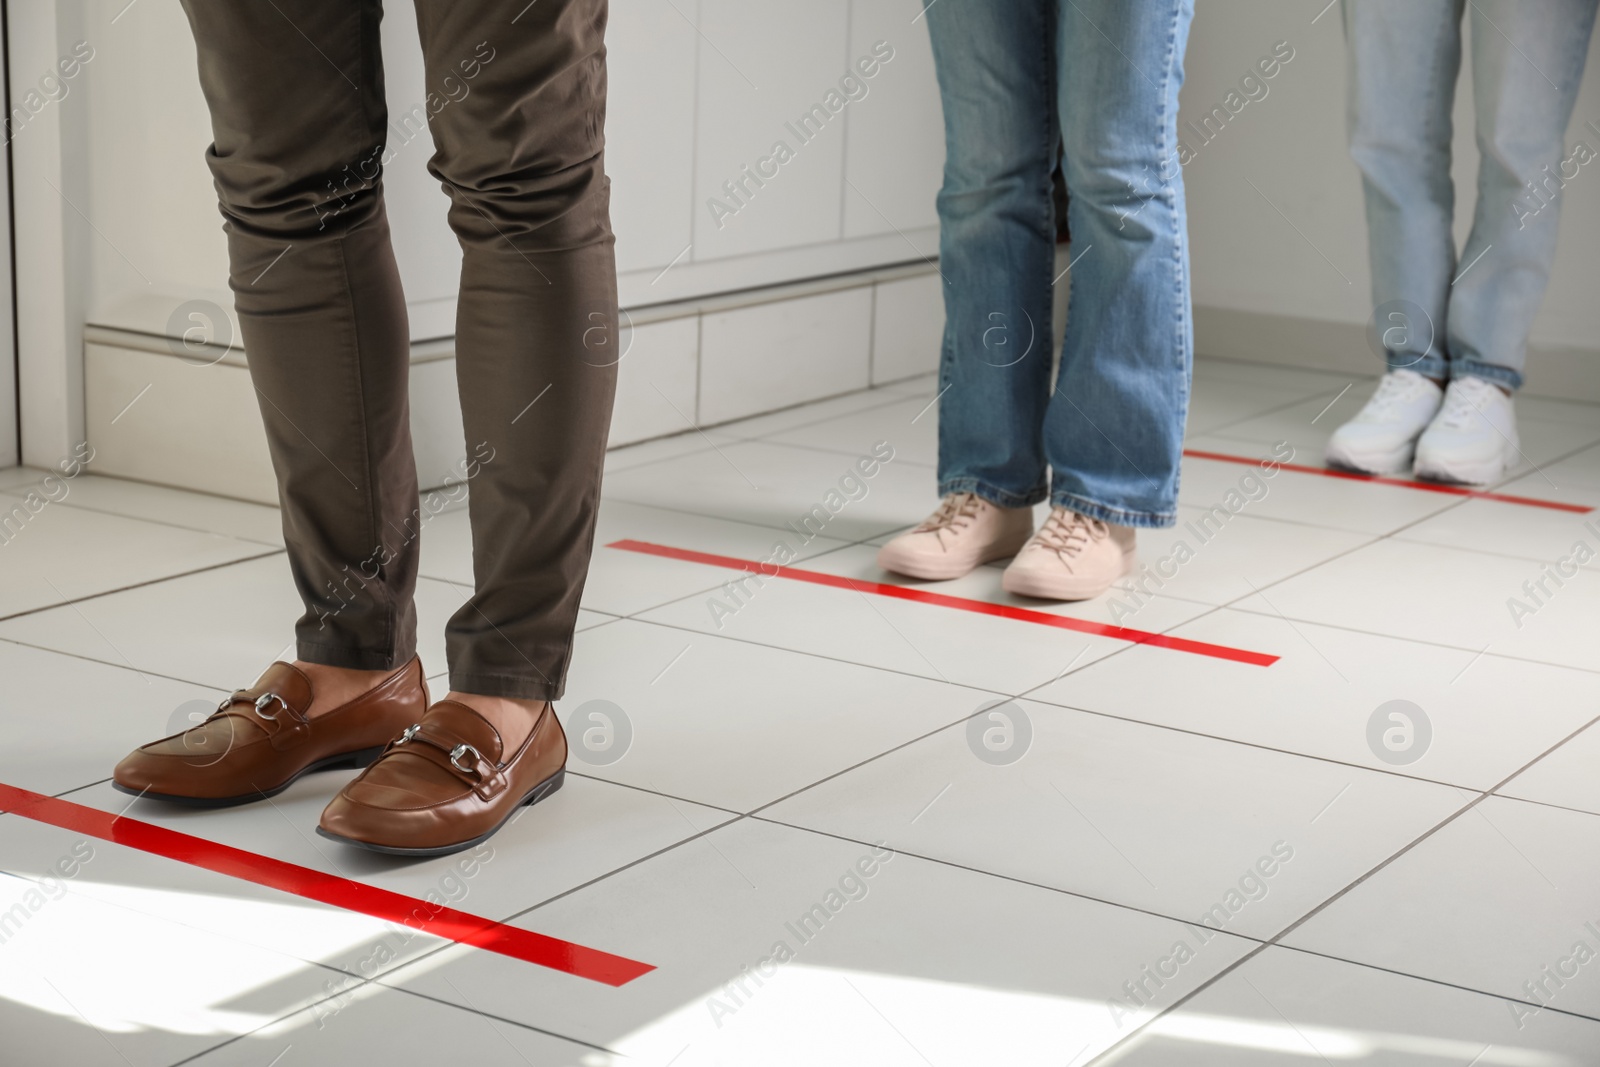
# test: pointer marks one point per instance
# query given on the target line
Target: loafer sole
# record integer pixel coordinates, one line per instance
(539, 792)
(354, 760)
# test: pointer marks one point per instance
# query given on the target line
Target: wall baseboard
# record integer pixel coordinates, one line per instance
(187, 417)
(1564, 373)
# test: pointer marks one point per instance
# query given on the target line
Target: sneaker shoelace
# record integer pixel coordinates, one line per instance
(955, 512)
(1465, 400)
(1393, 388)
(1068, 533)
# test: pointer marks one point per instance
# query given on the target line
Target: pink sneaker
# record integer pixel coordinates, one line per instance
(965, 532)
(1072, 557)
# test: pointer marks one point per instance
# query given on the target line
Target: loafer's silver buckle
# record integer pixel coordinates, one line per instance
(461, 750)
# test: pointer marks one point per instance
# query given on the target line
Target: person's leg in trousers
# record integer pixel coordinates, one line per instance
(1402, 62)
(997, 239)
(295, 89)
(1527, 63)
(518, 140)
(1113, 431)
(519, 151)
(1113, 426)
(1402, 66)
(997, 81)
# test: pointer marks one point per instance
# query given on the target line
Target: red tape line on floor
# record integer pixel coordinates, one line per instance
(1404, 483)
(304, 882)
(980, 607)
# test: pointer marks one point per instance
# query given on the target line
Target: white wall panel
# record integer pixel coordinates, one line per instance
(769, 356)
(907, 327)
(763, 65)
(650, 129)
(894, 151)
(656, 380)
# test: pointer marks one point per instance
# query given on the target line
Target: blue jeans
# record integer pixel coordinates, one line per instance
(1441, 315)
(1099, 79)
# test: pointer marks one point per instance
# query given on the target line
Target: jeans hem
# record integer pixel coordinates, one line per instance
(351, 659)
(1429, 366)
(1000, 498)
(1493, 372)
(1152, 520)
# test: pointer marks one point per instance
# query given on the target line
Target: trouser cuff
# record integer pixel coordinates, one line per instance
(1493, 372)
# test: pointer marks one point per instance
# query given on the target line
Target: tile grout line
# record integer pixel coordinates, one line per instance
(71, 601)
(1260, 943)
(1337, 896)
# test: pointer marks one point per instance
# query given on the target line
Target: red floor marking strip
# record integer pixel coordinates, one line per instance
(447, 923)
(981, 607)
(1404, 483)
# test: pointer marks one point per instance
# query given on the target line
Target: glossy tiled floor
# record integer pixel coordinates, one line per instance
(1146, 855)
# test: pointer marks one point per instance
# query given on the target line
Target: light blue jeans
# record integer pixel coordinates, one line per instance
(1100, 79)
(1441, 315)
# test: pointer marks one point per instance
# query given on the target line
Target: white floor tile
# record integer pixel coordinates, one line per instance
(1488, 903)
(1308, 425)
(1285, 1007)
(647, 452)
(61, 553)
(737, 725)
(1546, 443)
(1215, 404)
(1322, 695)
(1218, 556)
(1350, 504)
(1149, 818)
(622, 582)
(897, 974)
(1578, 473)
(373, 1023)
(12, 476)
(218, 628)
(585, 831)
(75, 718)
(93, 976)
(173, 507)
(1445, 595)
(1569, 776)
(1550, 409)
(934, 641)
(335, 941)
(1509, 529)
(912, 425)
(772, 485)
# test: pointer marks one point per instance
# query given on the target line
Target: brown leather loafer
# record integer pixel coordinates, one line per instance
(259, 740)
(445, 784)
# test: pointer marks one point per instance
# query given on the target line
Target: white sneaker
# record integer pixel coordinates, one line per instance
(1383, 437)
(1473, 439)
(964, 533)
(1072, 557)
